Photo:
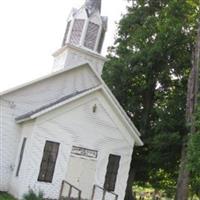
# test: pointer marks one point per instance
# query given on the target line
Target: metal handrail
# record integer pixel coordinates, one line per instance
(71, 187)
(104, 192)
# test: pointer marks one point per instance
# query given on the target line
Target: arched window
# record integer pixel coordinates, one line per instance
(91, 35)
(77, 31)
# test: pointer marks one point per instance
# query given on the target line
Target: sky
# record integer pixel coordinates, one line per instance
(32, 30)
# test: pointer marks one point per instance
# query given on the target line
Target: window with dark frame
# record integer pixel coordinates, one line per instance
(48, 163)
(21, 156)
(112, 172)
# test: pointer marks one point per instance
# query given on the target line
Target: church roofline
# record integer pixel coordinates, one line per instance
(121, 110)
(14, 89)
(70, 98)
(46, 108)
(83, 50)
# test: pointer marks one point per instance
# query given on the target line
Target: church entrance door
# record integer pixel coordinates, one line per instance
(81, 174)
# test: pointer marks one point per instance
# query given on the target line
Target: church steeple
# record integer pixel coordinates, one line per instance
(86, 26)
(85, 31)
(93, 5)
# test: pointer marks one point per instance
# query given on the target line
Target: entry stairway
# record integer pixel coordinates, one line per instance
(72, 190)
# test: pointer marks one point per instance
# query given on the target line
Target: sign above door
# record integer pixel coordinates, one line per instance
(80, 151)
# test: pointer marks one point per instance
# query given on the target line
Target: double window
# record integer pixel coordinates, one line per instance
(48, 163)
(112, 172)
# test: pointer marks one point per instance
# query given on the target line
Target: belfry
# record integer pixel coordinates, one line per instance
(65, 134)
(83, 38)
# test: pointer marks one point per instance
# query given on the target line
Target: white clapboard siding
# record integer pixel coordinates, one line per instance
(1, 145)
(8, 142)
(29, 98)
(76, 124)
(16, 186)
(72, 55)
(78, 56)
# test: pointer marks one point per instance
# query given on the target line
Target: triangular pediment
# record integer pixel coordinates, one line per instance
(99, 92)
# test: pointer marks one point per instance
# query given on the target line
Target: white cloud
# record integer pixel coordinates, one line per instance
(32, 30)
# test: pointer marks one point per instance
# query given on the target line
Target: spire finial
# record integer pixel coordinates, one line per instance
(93, 5)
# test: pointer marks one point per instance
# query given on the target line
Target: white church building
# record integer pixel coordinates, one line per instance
(65, 134)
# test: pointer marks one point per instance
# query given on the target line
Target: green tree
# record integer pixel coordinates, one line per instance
(147, 71)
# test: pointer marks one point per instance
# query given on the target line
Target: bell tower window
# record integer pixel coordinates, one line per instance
(100, 45)
(77, 31)
(91, 35)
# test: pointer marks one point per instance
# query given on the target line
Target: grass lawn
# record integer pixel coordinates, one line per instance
(5, 196)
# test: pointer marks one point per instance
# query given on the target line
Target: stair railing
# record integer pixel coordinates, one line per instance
(71, 188)
(104, 193)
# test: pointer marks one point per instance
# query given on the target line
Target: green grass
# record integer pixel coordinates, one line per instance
(5, 196)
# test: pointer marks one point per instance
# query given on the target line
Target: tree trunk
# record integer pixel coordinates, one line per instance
(129, 188)
(182, 191)
(148, 102)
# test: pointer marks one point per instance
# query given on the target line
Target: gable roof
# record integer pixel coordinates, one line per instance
(72, 97)
(14, 89)
(28, 115)
(104, 86)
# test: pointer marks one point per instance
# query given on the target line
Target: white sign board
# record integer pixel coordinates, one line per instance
(84, 152)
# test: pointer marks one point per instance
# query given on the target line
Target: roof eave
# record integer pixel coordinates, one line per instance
(42, 78)
(38, 114)
(79, 48)
(132, 129)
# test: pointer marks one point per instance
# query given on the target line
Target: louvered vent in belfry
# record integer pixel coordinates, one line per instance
(77, 31)
(66, 33)
(101, 41)
(91, 35)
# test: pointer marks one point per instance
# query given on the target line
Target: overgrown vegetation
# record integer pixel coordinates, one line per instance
(148, 70)
(5, 196)
(31, 195)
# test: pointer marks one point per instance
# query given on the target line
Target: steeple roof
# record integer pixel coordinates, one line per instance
(93, 5)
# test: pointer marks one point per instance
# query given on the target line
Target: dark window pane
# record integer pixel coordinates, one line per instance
(91, 35)
(21, 156)
(77, 31)
(48, 163)
(44, 165)
(112, 171)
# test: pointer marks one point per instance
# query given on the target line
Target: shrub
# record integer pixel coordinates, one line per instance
(31, 195)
